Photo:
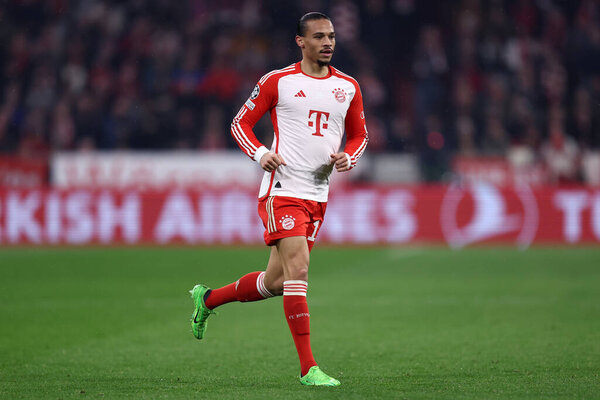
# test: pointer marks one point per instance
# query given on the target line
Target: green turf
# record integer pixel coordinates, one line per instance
(407, 323)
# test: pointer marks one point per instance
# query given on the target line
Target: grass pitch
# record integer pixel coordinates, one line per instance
(406, 323)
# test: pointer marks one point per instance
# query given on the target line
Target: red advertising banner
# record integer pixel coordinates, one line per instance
(458, 216)
(23, 172)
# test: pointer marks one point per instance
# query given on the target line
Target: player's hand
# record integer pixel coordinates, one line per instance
(341, 161)
(270, 161)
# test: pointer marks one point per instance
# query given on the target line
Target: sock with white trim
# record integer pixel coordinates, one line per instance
(250, 287)
(295, 308)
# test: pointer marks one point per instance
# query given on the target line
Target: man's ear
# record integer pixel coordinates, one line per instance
(300, 41)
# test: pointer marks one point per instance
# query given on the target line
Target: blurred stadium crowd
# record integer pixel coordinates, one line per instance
(439, 78)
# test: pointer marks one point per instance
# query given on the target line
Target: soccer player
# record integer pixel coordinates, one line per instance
(311, 105)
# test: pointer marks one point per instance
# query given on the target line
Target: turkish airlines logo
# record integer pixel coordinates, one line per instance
(318, 122)
(479, 212)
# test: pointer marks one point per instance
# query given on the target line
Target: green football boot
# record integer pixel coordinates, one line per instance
(201, 312)
(316, 377)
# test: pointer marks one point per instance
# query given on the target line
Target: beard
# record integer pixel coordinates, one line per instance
(322, 63)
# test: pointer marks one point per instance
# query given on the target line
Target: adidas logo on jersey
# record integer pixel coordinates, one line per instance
(300, 94)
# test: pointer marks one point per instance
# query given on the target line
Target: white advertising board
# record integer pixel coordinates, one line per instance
(154, 170)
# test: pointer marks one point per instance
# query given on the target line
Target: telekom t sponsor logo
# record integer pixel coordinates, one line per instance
(319, 121)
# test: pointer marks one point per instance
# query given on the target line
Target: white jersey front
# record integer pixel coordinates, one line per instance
(309, 117)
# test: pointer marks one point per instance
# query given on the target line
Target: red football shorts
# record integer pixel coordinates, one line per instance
(289, 216)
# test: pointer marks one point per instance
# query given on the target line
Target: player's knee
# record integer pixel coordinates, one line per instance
(299, 274)
(274, 286)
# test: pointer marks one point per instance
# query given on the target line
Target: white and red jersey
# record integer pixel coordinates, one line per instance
(309, 117)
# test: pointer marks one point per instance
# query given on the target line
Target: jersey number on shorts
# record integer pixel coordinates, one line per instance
(314, 234)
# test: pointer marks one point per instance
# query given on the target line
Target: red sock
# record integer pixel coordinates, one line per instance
(250, 287)
(298, 319)
(218, 297)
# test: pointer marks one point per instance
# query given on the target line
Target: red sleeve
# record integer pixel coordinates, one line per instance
(357, 136)
(263, 98)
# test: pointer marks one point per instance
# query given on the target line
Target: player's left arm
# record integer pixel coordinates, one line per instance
(357, 135)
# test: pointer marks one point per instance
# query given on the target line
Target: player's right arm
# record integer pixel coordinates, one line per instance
(263, 99)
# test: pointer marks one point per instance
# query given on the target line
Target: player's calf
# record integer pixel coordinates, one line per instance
(251, 287)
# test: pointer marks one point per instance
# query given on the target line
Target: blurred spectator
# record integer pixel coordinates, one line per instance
(32, 137)
(10, 115)
(213, 138)
(466, 132)
(186, 128)
(90, 122)
(430, 66)
(62, 127)
(561, 154)
(402, 135)
(495, 138)
(434, 153)
(582, 125)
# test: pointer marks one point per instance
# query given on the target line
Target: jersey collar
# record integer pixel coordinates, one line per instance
(329, 67)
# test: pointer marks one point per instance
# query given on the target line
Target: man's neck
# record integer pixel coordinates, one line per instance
(314, 69)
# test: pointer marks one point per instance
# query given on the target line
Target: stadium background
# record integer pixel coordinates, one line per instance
(115, 150)
(497, 101)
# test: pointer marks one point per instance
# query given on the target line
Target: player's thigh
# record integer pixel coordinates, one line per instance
(274, 273)
(294, 255)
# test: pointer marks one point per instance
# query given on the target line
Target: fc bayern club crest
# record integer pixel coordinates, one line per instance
(339, 94)
(287, 222)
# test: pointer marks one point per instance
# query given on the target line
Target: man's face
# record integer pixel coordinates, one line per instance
(318, 42)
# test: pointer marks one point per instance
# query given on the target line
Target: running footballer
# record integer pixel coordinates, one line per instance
(311, 105)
